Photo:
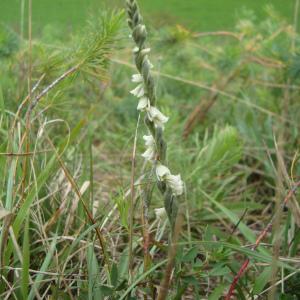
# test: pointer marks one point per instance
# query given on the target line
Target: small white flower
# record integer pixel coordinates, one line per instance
(161, 172)
(149, 140)
(160, 213)
(144, 104)
(150, 152)
(157, 117)
(175, 183)
(137, 78)
(146, 51)
(143, 27)
(138, 91)
(147, 62)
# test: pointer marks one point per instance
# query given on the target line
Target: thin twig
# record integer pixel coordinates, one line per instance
(46, 90)
(85, 207)
(200, 111)
(24, 154)
(131, 207)
(209, 88)
(281, 175)
(273, 85)
(17, 115)
(165, 284)
(277, 283)
(27, 127)
(243, 268)
(218, 33)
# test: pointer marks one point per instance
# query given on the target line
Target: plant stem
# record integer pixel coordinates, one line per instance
(131, 206)
(244, 266)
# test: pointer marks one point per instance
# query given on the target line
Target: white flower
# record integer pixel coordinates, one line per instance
(137, 78)
(161, 172)
(142, 28)
(175, 183)
(150, 152)
(144, 104)
(138, 91)
(147, 63)
(146, 51)
(160, 213)
(136, 49)
(157, 117)
(149, 140)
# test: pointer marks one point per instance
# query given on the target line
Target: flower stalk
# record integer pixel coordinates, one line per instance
(171, 186)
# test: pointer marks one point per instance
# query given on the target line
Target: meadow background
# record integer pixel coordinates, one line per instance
(203, 15)
(227, 75)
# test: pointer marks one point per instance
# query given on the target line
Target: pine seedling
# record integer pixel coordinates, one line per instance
(91, 55)
(171, 186)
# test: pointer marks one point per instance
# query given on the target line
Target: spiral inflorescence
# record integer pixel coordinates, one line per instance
(171, 186)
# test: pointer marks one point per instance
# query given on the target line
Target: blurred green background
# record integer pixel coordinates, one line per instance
(199, 15)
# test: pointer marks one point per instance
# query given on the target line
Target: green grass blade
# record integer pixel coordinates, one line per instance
(141, 278)
(247, 233)
(2, 105)
(93, 275)
(44, 267)
(26, 261)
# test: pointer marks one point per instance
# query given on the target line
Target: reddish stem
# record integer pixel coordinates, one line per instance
(257, 242)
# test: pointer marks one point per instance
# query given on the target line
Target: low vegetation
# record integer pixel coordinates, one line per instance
(204, 15)
(91, 203)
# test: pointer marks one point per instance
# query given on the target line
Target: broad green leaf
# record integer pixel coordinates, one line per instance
(218, 292)
(123, 265)
(93, 274)
(114, 275)
(262, 280)
(26, 261)
(141, 278)
(39, 278)
(190, 255)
